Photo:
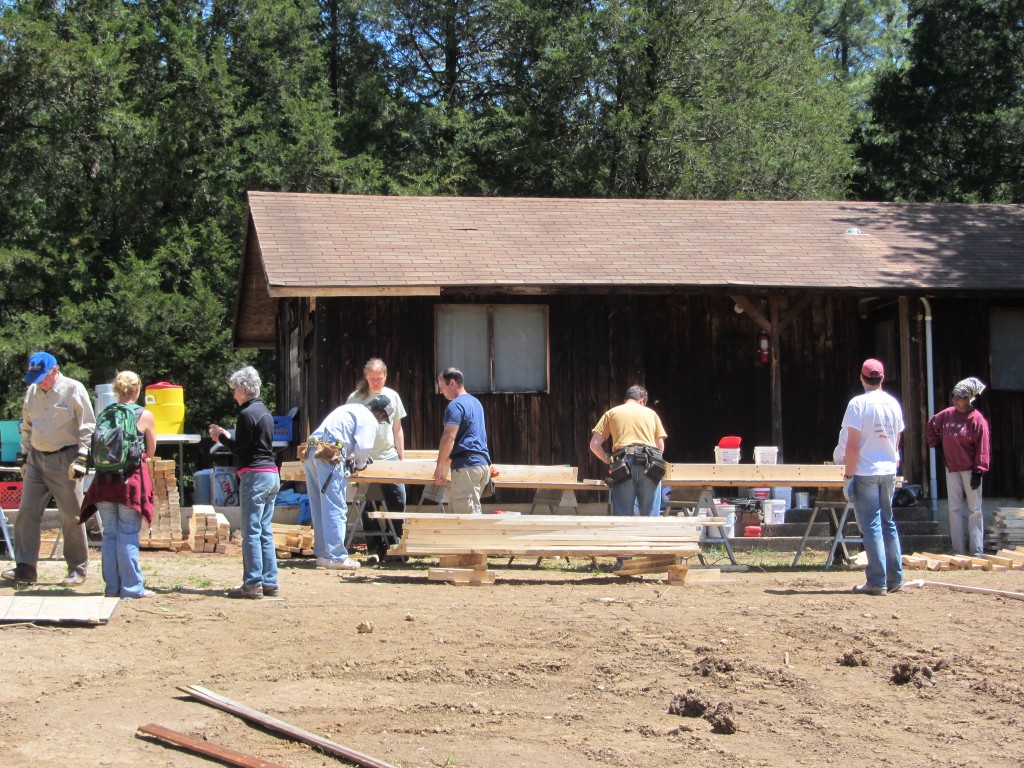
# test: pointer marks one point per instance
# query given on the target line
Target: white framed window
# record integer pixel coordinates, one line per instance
(1007, 348)
(498, 347)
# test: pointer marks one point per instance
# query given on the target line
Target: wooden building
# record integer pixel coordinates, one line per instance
(554, 307)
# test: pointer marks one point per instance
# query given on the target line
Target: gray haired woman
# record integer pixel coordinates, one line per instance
(258, 483)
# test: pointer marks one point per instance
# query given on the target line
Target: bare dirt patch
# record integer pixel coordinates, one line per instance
(559, 667)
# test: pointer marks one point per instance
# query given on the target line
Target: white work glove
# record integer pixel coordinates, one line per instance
(22, 463)
(848, 489)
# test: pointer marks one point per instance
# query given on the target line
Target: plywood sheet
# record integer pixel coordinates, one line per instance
(56, 609)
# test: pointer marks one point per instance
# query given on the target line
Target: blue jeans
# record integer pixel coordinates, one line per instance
(120, 551)
(257, 493)
(640, 495)
(327, 507)
(872, 503)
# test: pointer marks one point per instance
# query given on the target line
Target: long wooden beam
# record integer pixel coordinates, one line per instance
(205, 748)
(272, 723)
(791, 475)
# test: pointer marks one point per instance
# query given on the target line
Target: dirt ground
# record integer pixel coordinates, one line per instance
(552, 666)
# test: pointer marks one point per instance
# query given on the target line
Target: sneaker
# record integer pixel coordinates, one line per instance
(145, 593)
(867, 589)
(247, 592)
(271, 591)
(322, 562)
(73, 579)
(348, 564)
(21, 574)
(896, 588)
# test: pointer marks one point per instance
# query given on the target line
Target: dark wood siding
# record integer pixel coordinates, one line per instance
(694, 353)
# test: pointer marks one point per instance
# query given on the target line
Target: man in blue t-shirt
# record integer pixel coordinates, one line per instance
(464, 444)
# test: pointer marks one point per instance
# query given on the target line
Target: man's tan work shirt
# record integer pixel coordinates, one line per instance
(58, 418)
(631, 424)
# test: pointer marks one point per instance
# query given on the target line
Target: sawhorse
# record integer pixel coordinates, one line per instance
(705, 504)
(831, 500)
(364, 495)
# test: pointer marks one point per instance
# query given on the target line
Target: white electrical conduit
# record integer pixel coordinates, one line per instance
(933, 480)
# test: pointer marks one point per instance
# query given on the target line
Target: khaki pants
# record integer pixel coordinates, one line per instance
(467, 485)
(47, 474)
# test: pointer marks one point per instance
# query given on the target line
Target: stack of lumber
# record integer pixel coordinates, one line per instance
(548, 535)
(1003, 560)
(165, 530)
(292, 540)
(209, 530)
(1007, 529)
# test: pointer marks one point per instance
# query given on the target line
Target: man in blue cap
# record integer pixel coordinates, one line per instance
(57, 423)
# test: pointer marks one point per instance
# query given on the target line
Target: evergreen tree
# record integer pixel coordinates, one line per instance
(950, 126)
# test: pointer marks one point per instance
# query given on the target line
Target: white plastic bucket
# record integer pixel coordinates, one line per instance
(774, 511)
(728, 511)
(727, 455)
(759, 493)
(766, 454)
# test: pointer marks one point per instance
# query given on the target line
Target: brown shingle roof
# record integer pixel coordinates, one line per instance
(316, 245)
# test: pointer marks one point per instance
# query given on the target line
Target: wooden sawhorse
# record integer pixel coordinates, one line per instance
(705, 501)
(830, 499)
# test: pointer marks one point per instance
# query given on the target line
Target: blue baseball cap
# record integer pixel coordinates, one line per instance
(39, 364)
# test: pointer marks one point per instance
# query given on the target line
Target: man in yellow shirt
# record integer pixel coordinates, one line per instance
(635, 464)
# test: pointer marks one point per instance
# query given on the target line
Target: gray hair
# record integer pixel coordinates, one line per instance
(247, 380)
(636, 392)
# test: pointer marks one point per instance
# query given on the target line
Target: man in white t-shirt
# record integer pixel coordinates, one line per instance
(873, 423)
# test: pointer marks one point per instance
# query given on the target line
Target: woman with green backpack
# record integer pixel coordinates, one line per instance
(122, 496)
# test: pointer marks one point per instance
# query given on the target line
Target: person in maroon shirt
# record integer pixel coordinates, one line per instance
(962, 431)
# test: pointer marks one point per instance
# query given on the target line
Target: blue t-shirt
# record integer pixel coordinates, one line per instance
(470, 449)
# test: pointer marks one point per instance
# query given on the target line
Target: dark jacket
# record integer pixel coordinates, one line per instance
(253, 444)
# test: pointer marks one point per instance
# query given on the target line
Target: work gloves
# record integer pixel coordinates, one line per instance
(848, 488)
(78, 468)
(975, 480)
(19, 462)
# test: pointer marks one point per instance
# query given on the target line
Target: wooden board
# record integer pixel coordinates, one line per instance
(57, 609)
(791, 475)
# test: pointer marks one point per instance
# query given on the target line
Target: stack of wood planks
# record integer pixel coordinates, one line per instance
(1003, 560)
(165, 530)
(209, 530)
(292, 540)
(548, 535)
(1007, 529)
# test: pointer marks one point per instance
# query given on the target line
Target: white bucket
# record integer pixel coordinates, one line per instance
(759, 493)
(766, 454)
(802, 499)
(728, 511)
(774, 511)
(727, 455)
(784, 493)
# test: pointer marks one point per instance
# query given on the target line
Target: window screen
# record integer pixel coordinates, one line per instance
(498, 348)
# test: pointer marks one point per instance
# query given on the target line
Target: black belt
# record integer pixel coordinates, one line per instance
(634, 450)
(59, 450)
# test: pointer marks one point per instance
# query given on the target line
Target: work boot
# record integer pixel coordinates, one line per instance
(22, 573)
(867, 589)
(271, 591)
(247, 592)
(73, 579)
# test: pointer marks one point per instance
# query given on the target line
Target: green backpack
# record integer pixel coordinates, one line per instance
(116, 443)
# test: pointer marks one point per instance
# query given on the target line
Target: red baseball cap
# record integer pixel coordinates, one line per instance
(872, 369)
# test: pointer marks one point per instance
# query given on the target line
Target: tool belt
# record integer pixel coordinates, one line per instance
(328, 452)
(646, 456)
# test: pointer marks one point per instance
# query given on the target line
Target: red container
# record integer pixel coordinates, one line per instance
(730, 442)
(752, 530)
(10, 494)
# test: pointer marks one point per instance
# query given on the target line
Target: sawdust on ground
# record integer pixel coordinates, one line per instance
(553, 666)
